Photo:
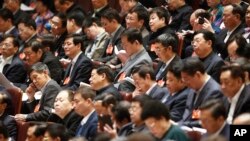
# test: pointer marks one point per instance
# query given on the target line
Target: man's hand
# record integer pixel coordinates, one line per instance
(20, 117)
(30, 91)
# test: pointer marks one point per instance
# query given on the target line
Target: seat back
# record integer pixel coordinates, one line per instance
(16, 98)
(22, 128)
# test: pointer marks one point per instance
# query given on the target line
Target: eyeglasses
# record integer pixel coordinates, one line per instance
(7, 45)
(196, 41)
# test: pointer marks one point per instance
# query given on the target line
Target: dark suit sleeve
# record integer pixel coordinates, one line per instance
(11, 125)
(28, 107)
(177, 110)
(17, 74)
(216, 70)
(46, 104)
(56, 70)
(82, 74)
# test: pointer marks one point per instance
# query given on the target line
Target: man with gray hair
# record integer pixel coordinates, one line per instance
(39, 110)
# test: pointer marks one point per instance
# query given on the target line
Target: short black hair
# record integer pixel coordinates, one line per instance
(207, 35)
(6, 14)
(14, 39)
(63, 18)
(77, 39)
(161, 13)
(121, 111)
(142, 14)
(105, 69)
(58, 130)
(155, 109)
(237, 9)
(132, 35)
(168, 39)
(216, 107)
(78, 17)
(192, 65)
(237, 71)
(141, 99)
(143, 70)
(86, 92)
(175, 69)
(40, 128)
(34, 45)
(28, 22)
(47, 40)
(111, 14)
(241, 42)
(89, 21)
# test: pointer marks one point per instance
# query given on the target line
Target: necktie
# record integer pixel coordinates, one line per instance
(160, 71)
(79, 130)
(71, 68)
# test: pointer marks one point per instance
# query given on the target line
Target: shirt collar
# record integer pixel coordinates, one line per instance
(9, 30)
(43, 88)
(150, 89)
(76, 57)
(237, 95)
(85, 119)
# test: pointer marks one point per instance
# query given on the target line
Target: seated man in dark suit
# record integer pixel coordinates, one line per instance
(101, 81)
(204, 88)
(34, 52)
(233, 25)
(203, 43)
(180, 13)
(145, 83)
(176, 99)
(7, 120)
(237, 98)
(7, 24)
(36, 131)
(41, 81)
(64, 111)
(79, 70)
(165, 48)
(11, 65)
(213, 118)
(84, 106)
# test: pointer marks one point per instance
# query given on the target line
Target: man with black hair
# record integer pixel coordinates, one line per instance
(56, 131)
(6, 120)
(36, 131)
(80, 67)
(39, 110)
(157, 119)
(204, 87)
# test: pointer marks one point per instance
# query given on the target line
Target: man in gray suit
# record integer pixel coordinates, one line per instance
(131, 40)
(204, 88)
(39, 110)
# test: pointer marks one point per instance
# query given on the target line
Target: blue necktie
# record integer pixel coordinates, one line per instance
(160, 71)
(80, 129)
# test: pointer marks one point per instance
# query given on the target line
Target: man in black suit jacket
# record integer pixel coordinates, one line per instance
(165, 48)
(14, 7)
(11, 65)
(84, 106)
(237, 98)
(7, 120)
(110, 20)
(204, 88)
(101, 81)
(39, 110)
(143, 76)
(64, 113)
(213, 119)
(34, 53)
(67, 6)
(176, 99)
(203, 47)
(100, 7)
(233, 25)
(79, 70)
(7, 25)
(180, 13)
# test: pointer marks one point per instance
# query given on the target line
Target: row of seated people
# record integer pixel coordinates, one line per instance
(189, 86)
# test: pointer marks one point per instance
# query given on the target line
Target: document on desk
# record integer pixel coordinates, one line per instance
(6, 83)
